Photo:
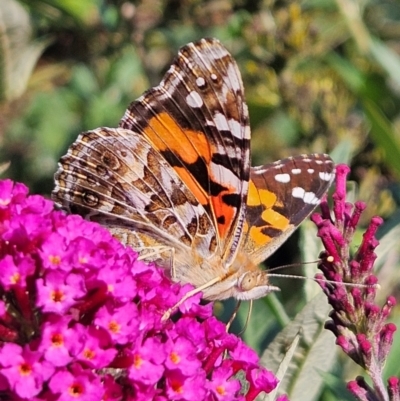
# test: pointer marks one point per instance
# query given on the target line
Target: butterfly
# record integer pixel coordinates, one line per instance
(174, 180)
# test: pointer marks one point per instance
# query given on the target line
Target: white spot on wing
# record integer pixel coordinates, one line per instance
(325, 176)
(259, 170)
(310, 170)
(308, 197)
(193, 99)
(172, 78)
(228, 125)
(222, 174)
(278, 165)
(233, 78)
(221, 122)
(296, 171)
(282, 178)
(200, 82)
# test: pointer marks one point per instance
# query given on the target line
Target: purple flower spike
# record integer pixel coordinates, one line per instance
(394, 389)
(339, 196)
(357, 322)
(359, 207)
(81, 318)
(360, 389)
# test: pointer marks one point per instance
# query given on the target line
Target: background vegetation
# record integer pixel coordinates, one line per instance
(320, 76)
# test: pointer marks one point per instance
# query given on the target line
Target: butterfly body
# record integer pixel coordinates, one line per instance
(174, 180)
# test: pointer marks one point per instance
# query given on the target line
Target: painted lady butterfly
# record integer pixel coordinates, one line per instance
(174, 179)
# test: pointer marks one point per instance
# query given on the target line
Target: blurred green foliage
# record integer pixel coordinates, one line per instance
(320, 76)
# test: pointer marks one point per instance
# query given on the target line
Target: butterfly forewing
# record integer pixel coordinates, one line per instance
(281, 195)
(197, 119)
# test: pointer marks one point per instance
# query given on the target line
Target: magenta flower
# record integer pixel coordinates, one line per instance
(357, 322)
(148, 359)
(182, 387)
(120, 323)
(25, 370)
(222, 387)
(182, 356)
(81, 319)
(76, 383)
(95, 348)
(58, 341)
(59, 291)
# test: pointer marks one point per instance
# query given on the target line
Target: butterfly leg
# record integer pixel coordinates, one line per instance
(234, 314)
(247, 317)
(149, 249)
(189, 294)
(155, 253)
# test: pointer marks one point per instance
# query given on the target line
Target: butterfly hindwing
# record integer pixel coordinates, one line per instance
(115, 177)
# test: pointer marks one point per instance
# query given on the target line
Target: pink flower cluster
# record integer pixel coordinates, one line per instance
(359, 324)
(81, 318)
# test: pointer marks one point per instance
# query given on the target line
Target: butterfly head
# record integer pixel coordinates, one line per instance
(253, 285)
(250, 281)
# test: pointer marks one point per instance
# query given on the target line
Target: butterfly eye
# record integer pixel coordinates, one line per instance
(248, 281)
(253, 285)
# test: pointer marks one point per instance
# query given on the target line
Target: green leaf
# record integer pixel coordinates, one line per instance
(383, 133)
(310, 246)
(18, 52)
(386, 58)
(316, 352)
(265, 320)
(84, 82)
(83, 12)
(283, 367)
(344, 151)
(337, 386)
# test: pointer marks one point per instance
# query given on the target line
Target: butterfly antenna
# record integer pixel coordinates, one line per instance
(323, 280)
(273, 269)
(317, 280)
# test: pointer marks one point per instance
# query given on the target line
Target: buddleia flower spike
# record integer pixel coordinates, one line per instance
(359, 324)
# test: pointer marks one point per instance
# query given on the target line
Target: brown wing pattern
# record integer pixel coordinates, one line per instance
(116, 178)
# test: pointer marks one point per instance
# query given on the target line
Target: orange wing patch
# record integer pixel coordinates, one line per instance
(281, 195)
(186, 145)
(191, 147)
(261, 203)
(226, 212)
(166, 135)
(267, 200)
